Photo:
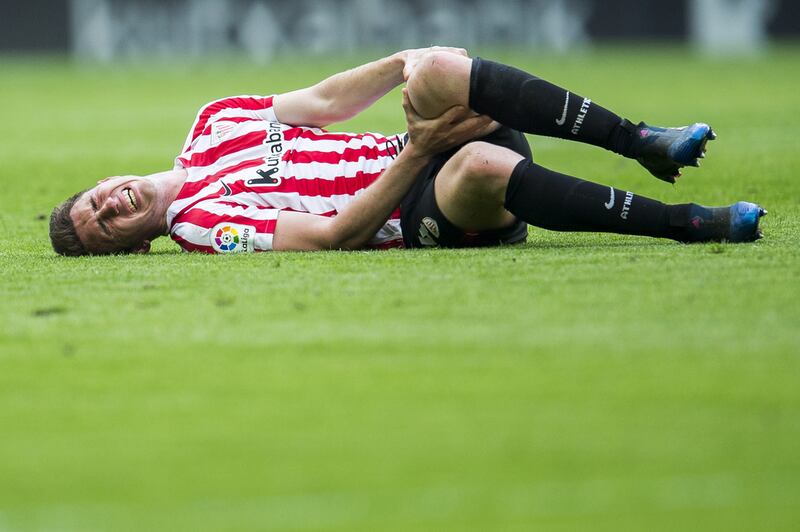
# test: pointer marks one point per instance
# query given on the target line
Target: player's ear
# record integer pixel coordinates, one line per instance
(103, 180)
(144, 247)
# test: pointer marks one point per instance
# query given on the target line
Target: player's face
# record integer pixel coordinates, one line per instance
(120, 213)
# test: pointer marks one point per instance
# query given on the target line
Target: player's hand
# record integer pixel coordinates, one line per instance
(452, 128)
(412, 57)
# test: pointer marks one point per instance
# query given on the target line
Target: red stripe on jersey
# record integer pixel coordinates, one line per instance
(311, 134)
(250, 104)
(389, 244)
(202, 218)
(190, 188)
(348, 155)
(190, 246)
(211, 155)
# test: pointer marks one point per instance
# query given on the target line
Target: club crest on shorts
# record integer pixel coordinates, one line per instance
(232, 238)
(429, 232)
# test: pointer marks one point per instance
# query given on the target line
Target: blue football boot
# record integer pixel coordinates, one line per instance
(665, 150)
(735, 223)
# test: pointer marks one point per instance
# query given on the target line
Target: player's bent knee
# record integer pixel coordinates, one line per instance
(471, 187)
(424, 76)
(484, 168)
(436, 65)
(439, 81)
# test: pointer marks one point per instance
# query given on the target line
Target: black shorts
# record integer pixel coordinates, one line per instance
(422, 221)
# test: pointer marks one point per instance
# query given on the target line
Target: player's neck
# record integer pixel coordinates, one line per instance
(168, 185)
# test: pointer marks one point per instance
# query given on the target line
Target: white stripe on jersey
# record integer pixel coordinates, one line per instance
(390, 232)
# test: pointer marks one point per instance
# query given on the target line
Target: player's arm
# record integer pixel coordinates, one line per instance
(367, 213)
(344, 95)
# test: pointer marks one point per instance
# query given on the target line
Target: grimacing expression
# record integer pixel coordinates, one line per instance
(119, 214)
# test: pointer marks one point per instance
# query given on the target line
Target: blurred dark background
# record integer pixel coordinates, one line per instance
(102, 29)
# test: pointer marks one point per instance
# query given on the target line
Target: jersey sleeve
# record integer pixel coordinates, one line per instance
(225, 227)
(234, 109)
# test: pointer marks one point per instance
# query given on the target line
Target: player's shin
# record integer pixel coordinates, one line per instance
(560, 202)
(524, 102)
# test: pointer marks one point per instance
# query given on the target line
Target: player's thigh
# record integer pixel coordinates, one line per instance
(470, 188)
(439, 81)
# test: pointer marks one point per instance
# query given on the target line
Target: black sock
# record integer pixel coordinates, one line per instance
(560, 202)
(524, 102)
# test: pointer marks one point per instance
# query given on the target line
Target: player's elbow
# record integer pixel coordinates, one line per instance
(331, 104)
(344, 237)
(324, 108)
(297, 231)
(350, 244)
(343, 242)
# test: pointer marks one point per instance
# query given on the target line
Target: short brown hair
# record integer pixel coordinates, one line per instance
(62, 229)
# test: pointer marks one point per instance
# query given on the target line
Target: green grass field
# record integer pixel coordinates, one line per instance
(578, 382)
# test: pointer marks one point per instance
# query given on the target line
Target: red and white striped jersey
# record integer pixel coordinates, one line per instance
(244, 168)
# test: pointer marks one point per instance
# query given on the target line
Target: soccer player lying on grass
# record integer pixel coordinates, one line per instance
(258, 173)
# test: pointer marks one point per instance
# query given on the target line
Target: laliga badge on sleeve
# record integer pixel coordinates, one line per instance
(233, 238)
